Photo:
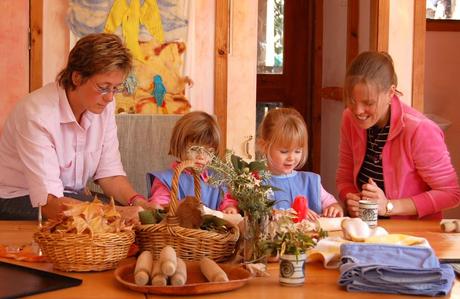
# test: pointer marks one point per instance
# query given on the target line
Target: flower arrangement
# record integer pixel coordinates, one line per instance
(286, 235)
(245, 183)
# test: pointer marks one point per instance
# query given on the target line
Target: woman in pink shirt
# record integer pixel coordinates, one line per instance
(64, 133)
(389, 152)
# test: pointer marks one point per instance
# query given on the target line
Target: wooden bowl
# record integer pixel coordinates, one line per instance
(196, 282)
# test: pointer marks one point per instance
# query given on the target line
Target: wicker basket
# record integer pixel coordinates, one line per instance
(190, 244)
(83, 252)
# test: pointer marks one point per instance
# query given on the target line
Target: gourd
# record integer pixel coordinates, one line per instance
(158, 277)
(212, 271)
(179, 278)
(168, 260)
(143, 268)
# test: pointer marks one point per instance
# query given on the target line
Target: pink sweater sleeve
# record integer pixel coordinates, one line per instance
(345, 175)
(160, 193)
(327, 199)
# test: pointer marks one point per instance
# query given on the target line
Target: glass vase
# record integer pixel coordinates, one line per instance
(292, 270)
(252, 235)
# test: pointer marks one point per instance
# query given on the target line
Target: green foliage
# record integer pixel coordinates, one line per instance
(285, 236)
(245, 183)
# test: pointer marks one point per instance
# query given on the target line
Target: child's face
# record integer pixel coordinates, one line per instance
(201, 155)
(284, 160)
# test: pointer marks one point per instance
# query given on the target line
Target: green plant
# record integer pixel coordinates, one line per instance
(245, 182)
(284, 236)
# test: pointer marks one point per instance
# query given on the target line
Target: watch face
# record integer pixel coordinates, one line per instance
(389, 207)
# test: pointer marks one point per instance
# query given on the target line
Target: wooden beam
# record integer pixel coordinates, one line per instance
(317, 85)
(221, 68)
(36, 45)
(352, 30)
(380, 22)
(418, 63)
(442, 25)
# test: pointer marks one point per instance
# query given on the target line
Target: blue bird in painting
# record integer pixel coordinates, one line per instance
(159, 90)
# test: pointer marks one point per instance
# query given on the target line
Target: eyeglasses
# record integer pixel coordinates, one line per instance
(106, 90)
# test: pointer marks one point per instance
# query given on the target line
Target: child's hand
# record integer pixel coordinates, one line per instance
(312, 216)
(230, 210)
(333, 210)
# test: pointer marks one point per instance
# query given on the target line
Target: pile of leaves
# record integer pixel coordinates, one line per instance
(88, 218)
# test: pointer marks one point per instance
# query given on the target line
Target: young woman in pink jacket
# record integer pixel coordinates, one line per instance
(389, 152)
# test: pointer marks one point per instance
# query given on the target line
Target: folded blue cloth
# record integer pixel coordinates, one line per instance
(394, 269)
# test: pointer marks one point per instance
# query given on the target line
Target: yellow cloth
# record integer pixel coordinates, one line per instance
(328, 249)
(130, 18)
(398, 239)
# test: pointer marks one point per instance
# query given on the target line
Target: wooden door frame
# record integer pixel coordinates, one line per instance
(221, 51)
(36, 44)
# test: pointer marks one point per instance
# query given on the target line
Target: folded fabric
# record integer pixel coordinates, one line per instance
(327, 250)
(331, 224)
(394, 269)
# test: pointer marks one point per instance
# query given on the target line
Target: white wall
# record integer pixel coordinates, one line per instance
(400, 44)
(442, 88)
(334, 60)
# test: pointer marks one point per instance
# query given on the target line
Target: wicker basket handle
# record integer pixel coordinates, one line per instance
(175, 185)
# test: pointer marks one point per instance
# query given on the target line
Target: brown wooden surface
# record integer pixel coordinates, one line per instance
(418, 64)
(36, 46)
(320, 283)
(221, 69)
(352, 30)
(380, 20)
(442, 25)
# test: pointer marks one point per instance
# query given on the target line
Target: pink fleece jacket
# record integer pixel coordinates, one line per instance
(416, 162)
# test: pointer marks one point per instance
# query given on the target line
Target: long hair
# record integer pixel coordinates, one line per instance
(93, 54)
(284, 127)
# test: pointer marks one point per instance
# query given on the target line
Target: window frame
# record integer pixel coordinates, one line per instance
(442, 25)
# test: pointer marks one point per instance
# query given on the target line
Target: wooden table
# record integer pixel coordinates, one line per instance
(320, 283)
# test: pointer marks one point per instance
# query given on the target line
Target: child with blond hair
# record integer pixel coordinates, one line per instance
(283, 140)
(198, 129)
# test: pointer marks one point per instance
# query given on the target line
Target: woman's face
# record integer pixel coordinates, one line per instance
(95, 93)
(369, 107)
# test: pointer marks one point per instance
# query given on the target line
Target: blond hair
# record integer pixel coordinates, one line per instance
(94, 54)
(194, 128)
(375, 69)
(283, 127)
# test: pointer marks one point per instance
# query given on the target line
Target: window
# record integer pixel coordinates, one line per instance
(443, 9)
(270, 37)
(443, 15)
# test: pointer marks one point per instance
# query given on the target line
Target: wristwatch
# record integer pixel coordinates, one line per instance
(389, 208)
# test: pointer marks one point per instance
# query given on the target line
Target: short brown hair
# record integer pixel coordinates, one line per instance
(93, 54)
(285, 127)
(194, 128)
(371, 68)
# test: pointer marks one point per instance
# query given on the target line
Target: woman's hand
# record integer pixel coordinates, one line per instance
(55, 206)
(333, 210)
(130, 213)
(352, 200)
(373, 193)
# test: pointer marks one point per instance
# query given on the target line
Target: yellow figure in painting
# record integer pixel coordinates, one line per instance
(131, 17)
(157, 85)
